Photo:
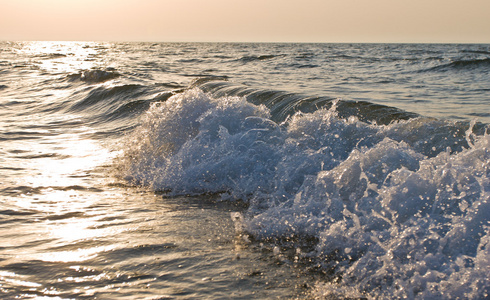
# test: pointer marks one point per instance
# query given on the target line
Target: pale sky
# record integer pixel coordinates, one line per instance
(436, 21)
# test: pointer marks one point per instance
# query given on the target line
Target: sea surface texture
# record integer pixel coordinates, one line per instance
(244, 171)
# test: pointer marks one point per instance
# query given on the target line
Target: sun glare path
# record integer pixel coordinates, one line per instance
(63, 57)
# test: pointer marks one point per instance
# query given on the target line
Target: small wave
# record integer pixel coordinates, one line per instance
(206, 77)
(115, 106)
(101, 97)
(94, 76)
(251, 58)
(476, 52)
(51, 55)
(19, 212)
(305, 55)
(480, 114)
(461, 65)
(20, 190)
(43, 155)
(64, 216)
(170, 85)
(304, 66)
(20, 135)
(191, 60)
(221, 56)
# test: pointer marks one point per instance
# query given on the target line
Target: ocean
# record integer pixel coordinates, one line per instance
(244, 171)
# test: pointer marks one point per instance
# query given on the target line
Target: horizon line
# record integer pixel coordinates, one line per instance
(243, 42)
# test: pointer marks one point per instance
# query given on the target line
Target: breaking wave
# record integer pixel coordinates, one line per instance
(393, 209)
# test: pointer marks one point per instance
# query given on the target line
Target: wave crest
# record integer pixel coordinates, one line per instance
(283, 104)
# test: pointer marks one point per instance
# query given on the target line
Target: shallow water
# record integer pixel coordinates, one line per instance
(127, 245)
(190, 171)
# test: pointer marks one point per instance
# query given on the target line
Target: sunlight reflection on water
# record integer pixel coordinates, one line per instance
(62, 56)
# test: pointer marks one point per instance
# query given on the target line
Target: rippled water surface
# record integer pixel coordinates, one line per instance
(238, 171)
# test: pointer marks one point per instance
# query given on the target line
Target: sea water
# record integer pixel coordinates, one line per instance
(237, 171)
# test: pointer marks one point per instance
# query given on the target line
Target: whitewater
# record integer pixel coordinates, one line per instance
(238, 171)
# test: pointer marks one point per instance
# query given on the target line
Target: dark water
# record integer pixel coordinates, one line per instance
(238, 171)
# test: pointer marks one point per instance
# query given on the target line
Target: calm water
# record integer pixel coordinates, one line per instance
(238, 171)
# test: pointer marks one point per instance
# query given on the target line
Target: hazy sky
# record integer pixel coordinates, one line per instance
(247, 20)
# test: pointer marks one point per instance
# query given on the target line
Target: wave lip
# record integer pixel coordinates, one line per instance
(283, 105)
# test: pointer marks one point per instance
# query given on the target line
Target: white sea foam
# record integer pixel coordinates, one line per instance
(393, 216)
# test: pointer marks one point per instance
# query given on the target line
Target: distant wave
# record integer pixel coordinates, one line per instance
(94, 76)
(461, 65)
(50, 55)
(476, 52)
(251, 58)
